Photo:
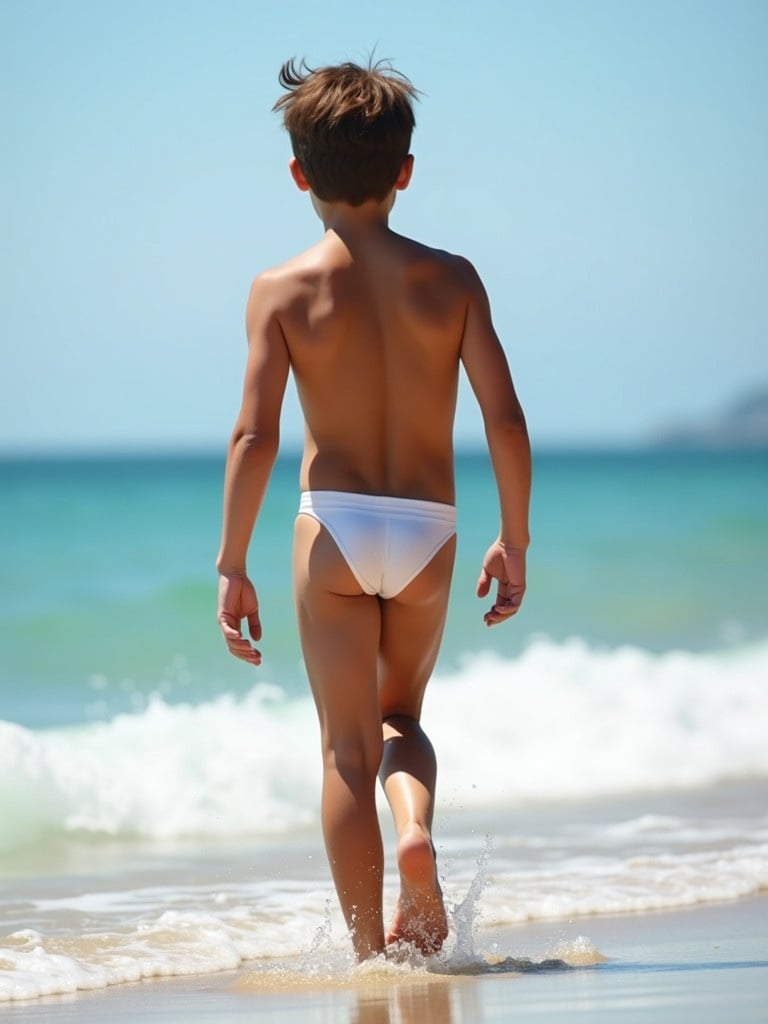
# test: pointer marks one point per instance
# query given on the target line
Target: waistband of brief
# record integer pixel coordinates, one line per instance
(382, 504)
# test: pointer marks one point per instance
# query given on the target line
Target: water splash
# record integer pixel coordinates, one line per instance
(322, 957)
(463, 916)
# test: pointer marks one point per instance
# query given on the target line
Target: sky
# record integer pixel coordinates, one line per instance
(603, 165)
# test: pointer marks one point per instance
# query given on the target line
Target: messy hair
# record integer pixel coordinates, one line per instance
(350, 127)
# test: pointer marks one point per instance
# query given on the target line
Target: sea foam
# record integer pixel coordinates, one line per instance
(559, 722)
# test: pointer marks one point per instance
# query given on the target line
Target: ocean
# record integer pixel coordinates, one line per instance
(605, 751)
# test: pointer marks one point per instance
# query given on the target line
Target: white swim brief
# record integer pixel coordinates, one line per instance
(385, 541)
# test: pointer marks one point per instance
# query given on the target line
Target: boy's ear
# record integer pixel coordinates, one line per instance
(404, 177)
(298, 175)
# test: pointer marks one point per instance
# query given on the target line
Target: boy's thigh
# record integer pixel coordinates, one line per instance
(412, 625)
(340, 628)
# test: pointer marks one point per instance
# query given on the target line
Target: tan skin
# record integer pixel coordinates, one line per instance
(374, 328)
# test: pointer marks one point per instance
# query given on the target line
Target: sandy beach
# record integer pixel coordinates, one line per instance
(708, 964)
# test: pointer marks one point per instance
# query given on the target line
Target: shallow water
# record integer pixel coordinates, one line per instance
(606, 752)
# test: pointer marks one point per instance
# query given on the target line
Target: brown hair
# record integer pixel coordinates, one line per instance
(350, 127)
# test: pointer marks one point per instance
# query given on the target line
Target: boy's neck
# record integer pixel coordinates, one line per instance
(345, 220)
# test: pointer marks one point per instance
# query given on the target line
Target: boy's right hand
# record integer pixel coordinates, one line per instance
(238, 601)
(507, 566)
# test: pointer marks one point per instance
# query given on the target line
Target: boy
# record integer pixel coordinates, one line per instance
(373, 327)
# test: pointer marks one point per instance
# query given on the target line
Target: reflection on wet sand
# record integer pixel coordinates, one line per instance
(438, 998)
(426, 1003)
(393, 994)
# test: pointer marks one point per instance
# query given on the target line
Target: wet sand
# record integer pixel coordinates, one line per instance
(705, 965)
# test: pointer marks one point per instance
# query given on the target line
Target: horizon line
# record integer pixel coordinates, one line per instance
(127, 452)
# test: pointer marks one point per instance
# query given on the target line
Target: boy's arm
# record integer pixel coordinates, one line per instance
(252, 452)
(486, 366)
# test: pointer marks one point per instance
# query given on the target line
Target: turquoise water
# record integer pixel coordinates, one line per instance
(605, 751)
(108, 587)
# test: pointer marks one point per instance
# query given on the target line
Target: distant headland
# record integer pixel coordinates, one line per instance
(742, 424)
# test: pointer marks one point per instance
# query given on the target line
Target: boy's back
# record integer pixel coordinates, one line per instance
(373, 325)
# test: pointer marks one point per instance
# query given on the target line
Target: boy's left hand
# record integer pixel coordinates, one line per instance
(238, 601)
(507, 567)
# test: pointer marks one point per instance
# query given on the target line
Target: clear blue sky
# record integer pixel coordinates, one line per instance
(603, 164)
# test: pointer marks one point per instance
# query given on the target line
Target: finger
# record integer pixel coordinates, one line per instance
(483, 584)
(244, 651)
(507, 603)
(234, 639)
(500, 614)
(251, 657)
(229, 626)
(509, 592)
(254, 625)
(237, 644)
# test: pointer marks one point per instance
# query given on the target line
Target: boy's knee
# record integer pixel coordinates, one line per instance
(355, 758)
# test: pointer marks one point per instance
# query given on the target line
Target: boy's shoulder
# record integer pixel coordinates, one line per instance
(431, 252)
(280, 283)
(452, 268)
(451, 262)
(295, 266)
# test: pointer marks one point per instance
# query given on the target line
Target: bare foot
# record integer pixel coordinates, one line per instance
(420, 914)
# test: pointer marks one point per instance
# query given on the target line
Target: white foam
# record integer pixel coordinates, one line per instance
(205, 930)
(565, 721)
(591, 885)
(562, 721)
(223, 768)
(166, 944)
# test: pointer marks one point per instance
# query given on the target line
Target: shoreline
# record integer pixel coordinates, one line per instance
(707, 964)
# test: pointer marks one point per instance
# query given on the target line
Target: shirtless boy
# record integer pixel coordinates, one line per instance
(374, 328)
